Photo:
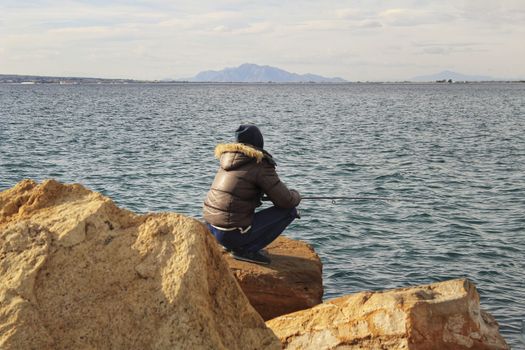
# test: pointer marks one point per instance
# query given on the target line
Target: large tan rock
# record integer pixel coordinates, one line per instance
(439, 316)
(77, 272)
(292, 282)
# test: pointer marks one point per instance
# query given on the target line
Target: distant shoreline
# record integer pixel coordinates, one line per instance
(48, 80)
(273, 83)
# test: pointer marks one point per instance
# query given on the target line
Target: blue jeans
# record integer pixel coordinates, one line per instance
(267, 225)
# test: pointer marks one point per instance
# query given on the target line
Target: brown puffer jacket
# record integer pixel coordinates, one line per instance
(245, 174)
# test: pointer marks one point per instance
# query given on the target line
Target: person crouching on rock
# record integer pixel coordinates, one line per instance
(246, 173)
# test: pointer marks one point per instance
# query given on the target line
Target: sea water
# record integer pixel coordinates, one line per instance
(452, 156)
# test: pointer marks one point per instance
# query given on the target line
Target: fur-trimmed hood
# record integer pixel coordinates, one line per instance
(233, 155)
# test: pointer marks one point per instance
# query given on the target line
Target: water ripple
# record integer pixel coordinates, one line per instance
(453, 153)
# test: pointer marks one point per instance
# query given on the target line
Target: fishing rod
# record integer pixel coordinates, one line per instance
(350, 198)
(334, 198)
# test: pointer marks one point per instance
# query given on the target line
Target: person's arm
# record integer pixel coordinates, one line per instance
(277, 192)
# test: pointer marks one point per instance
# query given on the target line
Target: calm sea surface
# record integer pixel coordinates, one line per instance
(454, 154)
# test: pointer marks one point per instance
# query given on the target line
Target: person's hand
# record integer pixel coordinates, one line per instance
(297, 196)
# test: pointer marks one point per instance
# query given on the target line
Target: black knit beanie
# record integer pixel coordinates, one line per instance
(250, 134)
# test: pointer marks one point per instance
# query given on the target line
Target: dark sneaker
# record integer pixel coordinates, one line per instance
(253, 257)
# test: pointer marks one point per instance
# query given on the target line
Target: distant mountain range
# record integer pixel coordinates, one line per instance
(253, 73)
(446, 75)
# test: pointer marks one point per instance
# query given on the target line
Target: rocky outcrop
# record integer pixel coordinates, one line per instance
(442, 316)
(78, 272)
(292, 282)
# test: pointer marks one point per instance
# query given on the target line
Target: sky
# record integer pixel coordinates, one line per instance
(356, 40)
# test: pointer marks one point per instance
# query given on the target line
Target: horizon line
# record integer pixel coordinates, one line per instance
(186, 81)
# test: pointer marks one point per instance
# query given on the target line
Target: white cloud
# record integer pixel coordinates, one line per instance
(413, 17)
(220, 16)
(219, 21)
(349, 13)
(81, 30)
(354, 39)
(493, 15)
(368, 24)
(257, 28)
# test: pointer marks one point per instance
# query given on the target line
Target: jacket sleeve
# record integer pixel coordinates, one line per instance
(279, 194)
